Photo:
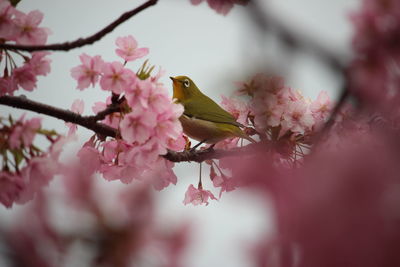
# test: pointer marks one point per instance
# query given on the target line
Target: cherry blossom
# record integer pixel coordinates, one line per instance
(297, 118)
(88, 73)
(116, 78)
(239, 109)
(39, 64)
(221, 6)
(77, 107)
(160, 175)
(11, 186)
(321, 107)
(28, 32)
(8, 28)
(138, 125)
(8, 85)
(25, 77)
(24, 132)
(197, 196)
(128, 48)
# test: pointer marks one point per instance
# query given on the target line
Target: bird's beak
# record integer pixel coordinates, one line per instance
(172, 78)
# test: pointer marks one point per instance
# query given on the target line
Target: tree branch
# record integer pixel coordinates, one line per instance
(66, 46)
(202, 155)
(66, 115)
(90, 123)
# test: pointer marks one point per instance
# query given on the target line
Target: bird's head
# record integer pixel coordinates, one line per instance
(184, 88)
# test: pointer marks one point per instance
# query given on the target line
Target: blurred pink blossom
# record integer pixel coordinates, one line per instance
(77, 107)
(197, 196)
(24, 132)
(25, 77)
(39, 64)
(28, 32)
(8, 28)
(221, 6)
(11, 186)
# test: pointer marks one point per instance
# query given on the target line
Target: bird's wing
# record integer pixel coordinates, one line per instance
(209, 111)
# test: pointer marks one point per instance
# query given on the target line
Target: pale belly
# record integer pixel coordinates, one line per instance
(201, 130)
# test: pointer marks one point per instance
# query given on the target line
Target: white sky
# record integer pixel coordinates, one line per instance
(214, 51)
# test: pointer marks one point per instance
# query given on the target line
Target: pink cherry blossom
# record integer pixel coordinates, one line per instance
(177, 144)
(138, 93)
(297, 118)
(39, 64)
(116, 78)
(89, 157)
(25, 77)
(267, 111)
(138, 125)
(8, 85)
(88, 73)
(11, 186)
(239, 109)
(128, 48)
(38, 173)
(226, 184)
(168, 126)
(221, 6)
(160, 175)
(8, 28)
(227, 143)
(321, 107)
(77, 107)
(28, 32)
(24, 132)
(197, 196)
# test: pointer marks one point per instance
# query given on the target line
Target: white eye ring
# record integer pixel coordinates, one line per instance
(186, 83)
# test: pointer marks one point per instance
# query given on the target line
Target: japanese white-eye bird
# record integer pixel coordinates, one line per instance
(203, 119)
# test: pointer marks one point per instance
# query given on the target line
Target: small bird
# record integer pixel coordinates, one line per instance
(202, 118)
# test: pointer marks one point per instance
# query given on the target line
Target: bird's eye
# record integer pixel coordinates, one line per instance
(186, 83)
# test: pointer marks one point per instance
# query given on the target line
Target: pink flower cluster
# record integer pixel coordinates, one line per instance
(21, 28)
(25, 76)
(284, 111)
(374, 72)
(148, 122)
(221, 6)
(26, 169)
(113, 76)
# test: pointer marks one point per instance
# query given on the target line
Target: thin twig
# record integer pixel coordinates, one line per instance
(66, 46)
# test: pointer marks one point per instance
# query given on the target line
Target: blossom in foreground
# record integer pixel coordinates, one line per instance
(23, 132)
(88, 73)
(7, 25)
(77, 107)
(197, 196)
(11, 186)
(221, 6)
(128, 48)
(28, 32)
